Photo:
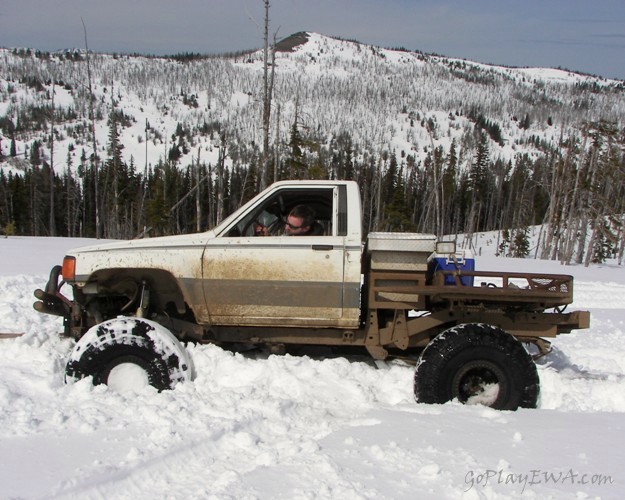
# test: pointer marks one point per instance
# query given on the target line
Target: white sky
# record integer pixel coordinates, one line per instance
(580, 35)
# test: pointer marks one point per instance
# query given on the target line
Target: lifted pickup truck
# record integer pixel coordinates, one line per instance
(133, 302)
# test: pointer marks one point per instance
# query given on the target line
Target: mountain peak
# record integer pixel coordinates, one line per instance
(289, 43)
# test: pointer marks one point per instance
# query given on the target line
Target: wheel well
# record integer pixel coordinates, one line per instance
(123, 289)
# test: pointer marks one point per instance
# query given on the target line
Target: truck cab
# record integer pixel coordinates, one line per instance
(278, 280)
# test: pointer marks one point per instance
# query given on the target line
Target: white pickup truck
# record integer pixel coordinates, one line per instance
(134, 302)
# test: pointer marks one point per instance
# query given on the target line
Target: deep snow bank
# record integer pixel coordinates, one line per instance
(260, 426)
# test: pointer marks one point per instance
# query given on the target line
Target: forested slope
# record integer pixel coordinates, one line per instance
(437, 145)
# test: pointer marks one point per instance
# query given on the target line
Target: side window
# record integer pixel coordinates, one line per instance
(270, 218)
(265, 216)
(342, 211)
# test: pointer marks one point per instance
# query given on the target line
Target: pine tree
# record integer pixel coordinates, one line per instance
(521, 245)
(602, 249)
(397, 211)
(296, 164)
(479, 187)
(114, 174)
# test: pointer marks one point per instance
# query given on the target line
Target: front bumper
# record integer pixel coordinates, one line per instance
(52, 301)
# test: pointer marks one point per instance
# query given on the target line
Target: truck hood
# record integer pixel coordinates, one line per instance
(164, 242)
(179, 255)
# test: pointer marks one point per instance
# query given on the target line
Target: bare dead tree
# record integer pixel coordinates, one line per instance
(569, 220)
(52, 224)
(70, 223)
(198, 205)
(276, 159)
(144, 180)
(378, 198)
(220, 179)
(268, 80)
(271, 81)
(549, 220)
(115, 164)
(266, 98)
(95, 151)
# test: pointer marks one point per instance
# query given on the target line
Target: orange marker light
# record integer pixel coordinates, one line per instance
(69, 268)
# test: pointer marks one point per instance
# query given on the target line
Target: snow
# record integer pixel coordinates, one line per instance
(298, 427)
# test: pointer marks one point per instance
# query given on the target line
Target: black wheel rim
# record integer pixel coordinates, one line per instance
(478, 382)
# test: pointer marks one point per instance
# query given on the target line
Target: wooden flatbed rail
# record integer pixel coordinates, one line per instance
(530, 291)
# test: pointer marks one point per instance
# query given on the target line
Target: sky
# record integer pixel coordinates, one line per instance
(580, 35)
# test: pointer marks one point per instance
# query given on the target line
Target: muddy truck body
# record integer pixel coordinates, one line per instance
(472, 334)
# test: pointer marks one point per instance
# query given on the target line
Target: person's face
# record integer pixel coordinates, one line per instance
(294, 226)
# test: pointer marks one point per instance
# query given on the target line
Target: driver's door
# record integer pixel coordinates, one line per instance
(277, 280)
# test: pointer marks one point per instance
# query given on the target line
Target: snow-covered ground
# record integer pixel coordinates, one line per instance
(287, 427)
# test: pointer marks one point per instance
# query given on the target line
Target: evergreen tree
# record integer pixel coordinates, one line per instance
(296, 164)
(479, 185)
(113, 175)
(35, 153)
(396, 211)
(601, 250)
(156, 212)
(521, 244)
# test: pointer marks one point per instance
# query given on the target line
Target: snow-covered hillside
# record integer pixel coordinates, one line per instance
(285, 427)
(406, 103)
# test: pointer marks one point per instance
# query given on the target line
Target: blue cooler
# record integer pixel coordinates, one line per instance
(462, 260)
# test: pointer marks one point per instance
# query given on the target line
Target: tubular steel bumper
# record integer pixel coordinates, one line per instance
(51, 301)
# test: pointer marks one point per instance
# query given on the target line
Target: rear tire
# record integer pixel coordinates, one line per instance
(477, 364)
(125, 353)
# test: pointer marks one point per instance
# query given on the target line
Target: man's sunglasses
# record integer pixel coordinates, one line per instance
(287, 223)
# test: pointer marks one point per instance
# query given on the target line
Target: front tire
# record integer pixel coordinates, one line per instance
(128, 353)
(477, 364)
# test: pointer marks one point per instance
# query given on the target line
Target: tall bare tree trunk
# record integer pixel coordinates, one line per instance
(70, 223)
(266, 101)
(276, 159)
(95, 150)
(436, 187)
(573, 215)
(378, 198)
(220, 180)
(144, 183)
(198, 204)
(116, 208)
(621, 250)
(586, 204)
(550, 216)
(52, 223)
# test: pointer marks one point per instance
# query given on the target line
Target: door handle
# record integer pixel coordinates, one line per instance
(323, 248)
